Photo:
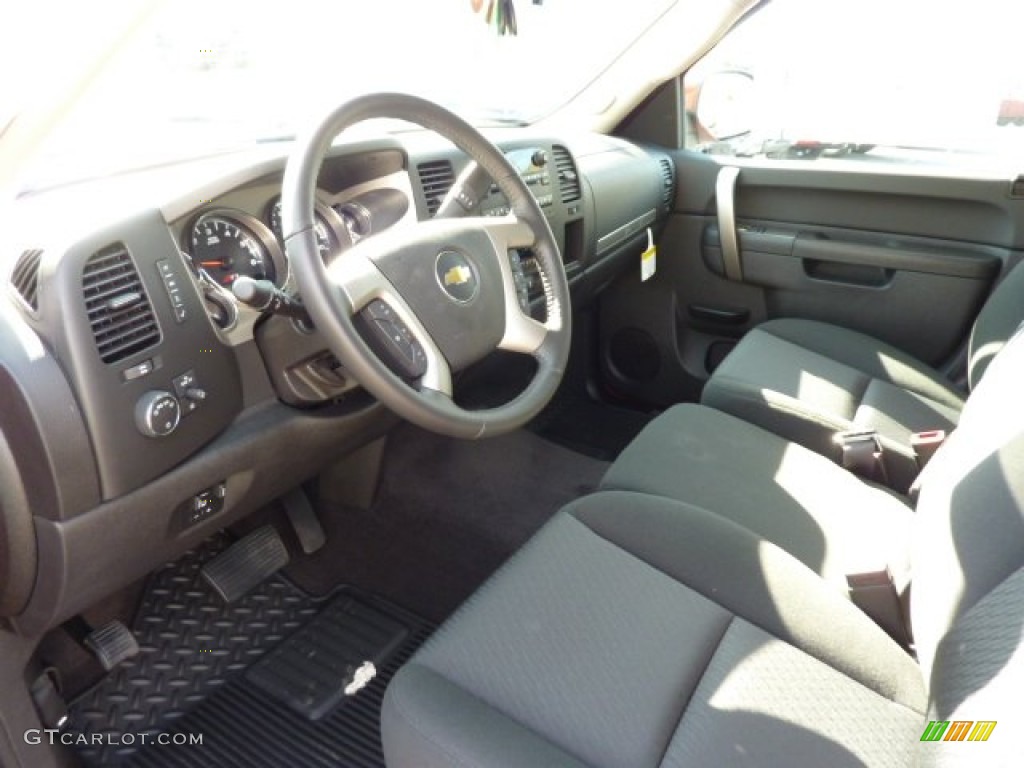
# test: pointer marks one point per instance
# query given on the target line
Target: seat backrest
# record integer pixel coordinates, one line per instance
(967, 598)
(999, 318)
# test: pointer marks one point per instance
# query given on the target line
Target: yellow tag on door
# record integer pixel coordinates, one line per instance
(649, 259)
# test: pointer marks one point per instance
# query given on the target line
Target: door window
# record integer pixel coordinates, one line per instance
(866, 81)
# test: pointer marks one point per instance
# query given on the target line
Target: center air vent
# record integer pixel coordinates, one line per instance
(436, 178)
(25, 277)
(668, 176)
(116, 303)
(568, 179)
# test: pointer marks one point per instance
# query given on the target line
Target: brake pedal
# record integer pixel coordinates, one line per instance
(111, 644)
(246, 563)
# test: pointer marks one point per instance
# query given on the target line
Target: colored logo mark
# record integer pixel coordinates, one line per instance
(958, 730)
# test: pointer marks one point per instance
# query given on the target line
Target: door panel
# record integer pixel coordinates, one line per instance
(907, 258)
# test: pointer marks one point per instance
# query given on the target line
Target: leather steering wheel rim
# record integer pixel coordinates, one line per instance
(333, 296)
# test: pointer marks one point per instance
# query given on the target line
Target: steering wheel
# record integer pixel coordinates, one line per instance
(433, 297)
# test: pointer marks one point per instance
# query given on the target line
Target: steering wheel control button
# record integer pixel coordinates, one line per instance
(157, 413)
(138, 371)
(392, 340)
(456, 277)
(521, 281)
(466, 199)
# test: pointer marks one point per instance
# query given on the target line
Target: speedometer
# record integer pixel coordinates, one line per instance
(227, 245)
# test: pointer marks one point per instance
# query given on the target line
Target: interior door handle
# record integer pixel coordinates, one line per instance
(725, 201)
(719, 314)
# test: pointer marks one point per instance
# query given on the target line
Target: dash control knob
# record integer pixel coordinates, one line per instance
(157, 413)
(539, 158)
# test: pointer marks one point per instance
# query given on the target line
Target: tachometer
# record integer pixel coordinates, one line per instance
(228, 244)
(326, 239)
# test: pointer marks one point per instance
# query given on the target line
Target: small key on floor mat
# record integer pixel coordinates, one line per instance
(246, 563)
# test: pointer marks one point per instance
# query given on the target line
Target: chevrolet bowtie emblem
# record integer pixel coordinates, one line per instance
(455, 276)
(458, 275)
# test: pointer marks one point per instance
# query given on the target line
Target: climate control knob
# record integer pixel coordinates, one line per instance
(157, 413)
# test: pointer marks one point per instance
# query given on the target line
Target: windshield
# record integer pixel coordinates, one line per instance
(207, 76)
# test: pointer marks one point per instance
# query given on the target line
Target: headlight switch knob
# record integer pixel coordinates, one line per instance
(157, 413)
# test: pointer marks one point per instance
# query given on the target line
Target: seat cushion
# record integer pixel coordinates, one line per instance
(826, 517)
(805, 381)
(998, 320)
(636, 630)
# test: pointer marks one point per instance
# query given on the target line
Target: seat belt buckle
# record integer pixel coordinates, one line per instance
(874, 592)
(862, 453)
(925, 444)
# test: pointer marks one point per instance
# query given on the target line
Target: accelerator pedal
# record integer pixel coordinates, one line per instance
(246, 563)
(111, 644)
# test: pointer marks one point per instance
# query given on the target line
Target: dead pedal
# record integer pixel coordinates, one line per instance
(246, 563)
(111, 644)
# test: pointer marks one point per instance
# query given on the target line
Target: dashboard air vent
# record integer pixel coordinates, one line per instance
(568, 179)
(668, 175)
(116, 303)
(25, 277)
(436, 178)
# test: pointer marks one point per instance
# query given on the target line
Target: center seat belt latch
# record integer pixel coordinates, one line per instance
(925, 444)
(874, 592)
(862, 454)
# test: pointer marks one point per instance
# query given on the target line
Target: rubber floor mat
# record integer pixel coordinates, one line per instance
(188, 683)
(333, 656)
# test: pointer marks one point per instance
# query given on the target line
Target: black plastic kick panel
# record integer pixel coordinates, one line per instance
(150, 410)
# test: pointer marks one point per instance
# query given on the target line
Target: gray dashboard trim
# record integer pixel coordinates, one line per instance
(618, 236)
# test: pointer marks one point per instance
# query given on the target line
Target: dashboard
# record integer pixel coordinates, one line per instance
(145, 406)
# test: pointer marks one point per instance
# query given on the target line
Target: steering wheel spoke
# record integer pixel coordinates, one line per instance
(362, 283)
(507, 232)
(522, 333)
(358, 278)
(438, 376)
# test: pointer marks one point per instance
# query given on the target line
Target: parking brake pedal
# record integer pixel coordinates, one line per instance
(112, 643)
(246, 563)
